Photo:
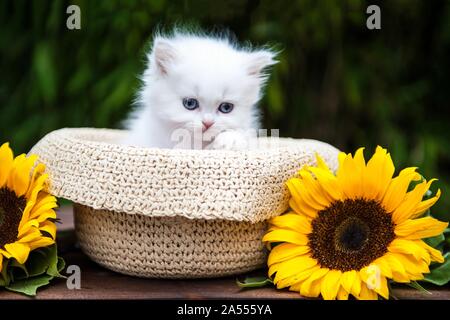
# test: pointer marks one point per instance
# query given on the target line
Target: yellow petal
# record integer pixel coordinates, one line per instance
(399, 274)
(435, 254)
(295, 287)
(5, 254)
(374, 280)
(331, 284)
(313, 186)
(31, 236)
(356, 289)
(311, 287)
(321, 164)
(6, 163)
(44, 198)
(420, 228)
(18, 251)
(345, 166)
(26, 214)
(296, 278)
(412, 199)
(35, 181)
(302, 208)
(329, 183)
(347, 280)
(293, 222)
(19, 178)
(51, 214)
(379, 171)
(38, 185)
(370, 275)
(302, 195)
(367, 294)
(283, 235)
(382, 289)
(41, 242)
(425, 205)
(350, 174)
(411, 265)
(384, 266)
(49, 227)
(291, 267)
(27, 226)
(342, 294)
(286, 251)
(35, 201)
(409, 247)
(396, 191)
(342, 156)
(359, 174)
(18, 185)
(37, 211)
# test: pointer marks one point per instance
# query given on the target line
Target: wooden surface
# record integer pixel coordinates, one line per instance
(100, 283)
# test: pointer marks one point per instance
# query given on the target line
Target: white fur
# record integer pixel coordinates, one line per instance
(211, 70)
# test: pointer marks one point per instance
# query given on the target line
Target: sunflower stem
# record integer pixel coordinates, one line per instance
(254, 282)
(417, 286)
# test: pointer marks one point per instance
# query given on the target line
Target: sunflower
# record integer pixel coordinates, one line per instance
(348, 233)
(27, 212)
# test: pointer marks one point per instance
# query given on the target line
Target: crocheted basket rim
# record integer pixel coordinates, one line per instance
(88, 166)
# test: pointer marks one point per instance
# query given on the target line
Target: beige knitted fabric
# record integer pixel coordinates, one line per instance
(87, 168)
(173, 213)
(169, 247)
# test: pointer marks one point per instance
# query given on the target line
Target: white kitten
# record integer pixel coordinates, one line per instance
(198, 92)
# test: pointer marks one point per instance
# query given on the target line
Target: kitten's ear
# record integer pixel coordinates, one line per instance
(164, 55)
(259, 60)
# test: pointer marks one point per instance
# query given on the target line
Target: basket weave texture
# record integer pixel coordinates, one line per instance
(173, 213)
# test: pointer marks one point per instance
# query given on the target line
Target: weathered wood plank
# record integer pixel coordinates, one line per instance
(99, 283)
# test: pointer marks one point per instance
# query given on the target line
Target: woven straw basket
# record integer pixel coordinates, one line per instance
(173, 213)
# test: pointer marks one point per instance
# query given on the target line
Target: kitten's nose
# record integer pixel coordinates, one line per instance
(207, 124)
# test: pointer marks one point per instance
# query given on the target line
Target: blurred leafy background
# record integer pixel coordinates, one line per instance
(336, 81)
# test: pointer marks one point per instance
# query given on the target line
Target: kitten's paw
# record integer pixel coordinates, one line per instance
(229, 140)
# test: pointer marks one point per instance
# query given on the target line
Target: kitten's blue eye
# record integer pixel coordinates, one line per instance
(190, 103)
(226, 107)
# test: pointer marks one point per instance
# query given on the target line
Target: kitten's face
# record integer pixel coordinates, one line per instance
(205, 85)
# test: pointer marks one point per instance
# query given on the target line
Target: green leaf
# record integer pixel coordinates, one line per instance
(4, 275)
(19, 271)
(42, 266)
(61, 265)
(435, 241)
(53, 269)
(254, 282)
(417, 286)
(447, 236)
(29, 286)
(43, 260)
(38, 263)
(441, 274)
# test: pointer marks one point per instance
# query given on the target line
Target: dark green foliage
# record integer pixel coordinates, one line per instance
(41, 267)
(336, 81)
